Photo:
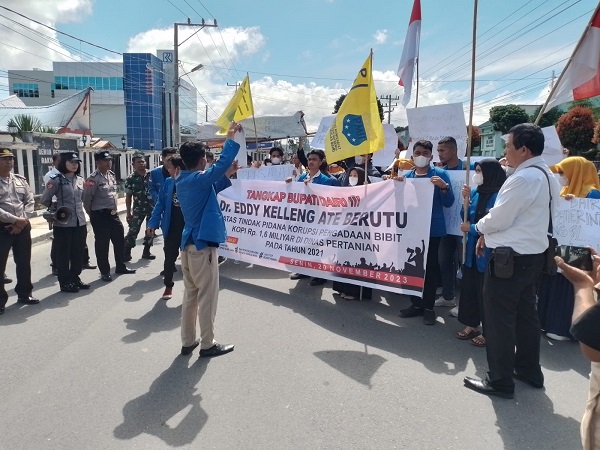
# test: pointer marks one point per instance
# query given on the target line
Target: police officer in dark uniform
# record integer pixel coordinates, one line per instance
(16, 201)
(100, 202)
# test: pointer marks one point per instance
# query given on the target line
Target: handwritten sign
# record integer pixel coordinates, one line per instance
(452, 215)
(318, 141)
(435, 122)
(268, 173)
(576, 222)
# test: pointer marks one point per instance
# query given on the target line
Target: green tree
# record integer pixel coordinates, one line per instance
(549, 118)
(576, 130)
(339, 101)
(503, 118)
(26, 122)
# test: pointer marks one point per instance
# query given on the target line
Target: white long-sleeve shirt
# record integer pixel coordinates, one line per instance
(519, 218)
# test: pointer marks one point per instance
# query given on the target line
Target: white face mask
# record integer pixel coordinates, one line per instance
(352, 181)
(275, 160)
(360, 160)
(509, 170)
(563, 180)
(421, 161)
(478, 178)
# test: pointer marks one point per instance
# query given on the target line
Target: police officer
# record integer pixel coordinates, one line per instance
(136, 188)
(100, 202)
(16, 200)
(66, 186)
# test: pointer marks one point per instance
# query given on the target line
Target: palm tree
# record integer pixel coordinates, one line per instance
(25, 122)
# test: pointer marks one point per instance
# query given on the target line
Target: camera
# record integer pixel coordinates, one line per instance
(580, 257)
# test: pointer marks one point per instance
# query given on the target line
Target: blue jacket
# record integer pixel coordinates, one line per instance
(321, 179)
(156, 182)
(440, 200)
(161, 214)
(197, 196)
(473, 236)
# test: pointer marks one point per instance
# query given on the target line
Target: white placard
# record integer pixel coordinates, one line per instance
(318, 141)
(452, 215)
(268, 173)
(576, 222)
(553, 149)
(435, 122)
(242, 156)
(385, 156)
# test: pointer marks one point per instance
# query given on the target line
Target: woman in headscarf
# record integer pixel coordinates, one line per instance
(579, 179)
(488, 178)
(355, 177)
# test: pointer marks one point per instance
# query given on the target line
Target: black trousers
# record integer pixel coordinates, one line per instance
(171, 249)
(54, 250)
(511, 321)
(431, 276)
(21, 248)
(108, 228)
(69, 259)
(470, 312)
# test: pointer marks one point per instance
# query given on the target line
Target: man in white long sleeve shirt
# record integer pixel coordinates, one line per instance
(519, 219)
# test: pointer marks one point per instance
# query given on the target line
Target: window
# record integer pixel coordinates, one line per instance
(489, 141)
(26, 90)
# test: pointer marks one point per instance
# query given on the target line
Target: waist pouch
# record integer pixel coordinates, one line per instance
(504, 262)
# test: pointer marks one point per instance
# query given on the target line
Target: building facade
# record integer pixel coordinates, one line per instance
(131, 99)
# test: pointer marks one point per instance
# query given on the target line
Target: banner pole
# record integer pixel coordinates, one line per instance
(470, 131)
(417, 93)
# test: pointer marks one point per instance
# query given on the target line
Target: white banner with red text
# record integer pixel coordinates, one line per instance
(375, 235)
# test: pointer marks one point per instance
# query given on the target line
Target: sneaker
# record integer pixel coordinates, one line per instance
(168, 294)
(411, 311)
(556, 337)
(428, 317)
(454, 312)
(443, 302)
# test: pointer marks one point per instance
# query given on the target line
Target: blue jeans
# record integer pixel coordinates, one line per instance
(448, 259)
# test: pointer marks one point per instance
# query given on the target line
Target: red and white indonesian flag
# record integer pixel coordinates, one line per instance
(410, 52)
(582, 77)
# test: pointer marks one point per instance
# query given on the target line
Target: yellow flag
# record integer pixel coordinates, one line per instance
(239, 107)
(357, 129)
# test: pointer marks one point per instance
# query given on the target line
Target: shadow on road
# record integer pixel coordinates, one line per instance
(172, 394)
(160, 318)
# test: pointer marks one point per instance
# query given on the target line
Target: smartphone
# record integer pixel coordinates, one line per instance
(580, 257)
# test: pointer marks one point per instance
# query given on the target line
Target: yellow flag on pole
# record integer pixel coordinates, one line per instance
(239, 107)
(357, 129)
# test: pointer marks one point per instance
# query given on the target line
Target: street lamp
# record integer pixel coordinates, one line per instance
(176, 78)
(13, 129)
(123, 141)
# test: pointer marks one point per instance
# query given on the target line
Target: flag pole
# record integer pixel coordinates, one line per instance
(470, 131)
(253, 120)
(553, 90)
(417, 93)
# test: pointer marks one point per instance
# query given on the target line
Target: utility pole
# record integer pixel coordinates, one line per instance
(237, 85)
(389, 105)
(206, 114)
(176, 44)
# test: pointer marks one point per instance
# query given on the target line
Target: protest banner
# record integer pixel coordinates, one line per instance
(374, 235)
(435, 122)
(576, 222)
(452, 215)
(268, 173)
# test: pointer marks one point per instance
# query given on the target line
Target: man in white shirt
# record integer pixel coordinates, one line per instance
(519, 220)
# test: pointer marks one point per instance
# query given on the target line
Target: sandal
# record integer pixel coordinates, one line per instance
(464, 336)
(478, 341)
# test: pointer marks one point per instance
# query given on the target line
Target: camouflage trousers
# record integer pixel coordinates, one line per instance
(135, 224)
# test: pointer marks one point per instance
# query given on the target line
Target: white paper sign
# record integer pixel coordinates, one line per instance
(385, 156)
(553, 149)
(242, 156)
(318, 141)
(576, 222)
(435, 122)
(452, 215)
(268, 173)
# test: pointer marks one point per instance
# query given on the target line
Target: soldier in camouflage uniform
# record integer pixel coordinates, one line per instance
(136, 188)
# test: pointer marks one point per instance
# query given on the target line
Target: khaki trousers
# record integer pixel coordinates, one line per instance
(590, 424)
(201, 290)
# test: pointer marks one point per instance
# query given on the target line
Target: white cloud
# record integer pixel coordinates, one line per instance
(380, 36)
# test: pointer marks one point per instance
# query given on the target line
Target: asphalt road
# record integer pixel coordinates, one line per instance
(101, 370)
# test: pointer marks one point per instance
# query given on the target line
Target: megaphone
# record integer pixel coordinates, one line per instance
(60, 215)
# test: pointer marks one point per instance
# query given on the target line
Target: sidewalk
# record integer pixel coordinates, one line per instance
(39, 226)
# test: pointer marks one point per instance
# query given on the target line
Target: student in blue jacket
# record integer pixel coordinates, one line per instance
(159, 174)
(442, 197)
(167, 215)
(488, 178)
(203, 231)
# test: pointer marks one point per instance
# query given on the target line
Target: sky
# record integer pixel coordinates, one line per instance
(304, 55)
